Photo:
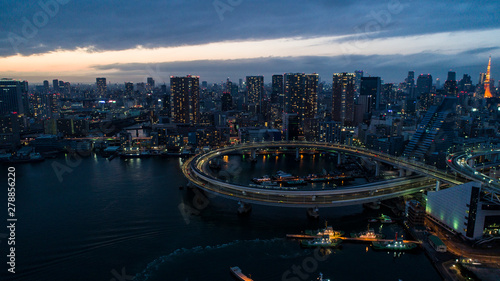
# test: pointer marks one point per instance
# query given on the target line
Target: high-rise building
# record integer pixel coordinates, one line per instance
(487, 90)
(291, 126)
(184, 99)
(226, 101)
(46, 87)
(294, 92)
(229, 86)
(150, 85)
(55, 85)
(450, 85)
(465, 84)
(424, 84)
(11, 97)
(101, 86)
(343, 98)
(277, 89)
(410, 84)
(310, 107)
(357, 81)
(301, 95)
(371, 86)
(255, 89)
(129, 88)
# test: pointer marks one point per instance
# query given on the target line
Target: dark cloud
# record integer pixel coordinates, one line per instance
(117, 25)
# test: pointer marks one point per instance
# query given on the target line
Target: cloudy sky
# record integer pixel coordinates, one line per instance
(127, 40)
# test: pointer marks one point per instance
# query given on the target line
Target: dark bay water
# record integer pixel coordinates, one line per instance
(111, 220)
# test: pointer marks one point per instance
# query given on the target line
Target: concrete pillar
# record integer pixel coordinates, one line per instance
(244, 208)
(494, 158)
(313, 213)
(408, 173)
(438, 185)
(297, 154)
(253, 157)
(472, 163)
(339, 159)
(377, 168)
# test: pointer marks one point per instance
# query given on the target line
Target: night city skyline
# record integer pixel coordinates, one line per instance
(250, 140)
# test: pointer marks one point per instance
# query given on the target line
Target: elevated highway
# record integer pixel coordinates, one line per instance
(197, 172)
(464, 164)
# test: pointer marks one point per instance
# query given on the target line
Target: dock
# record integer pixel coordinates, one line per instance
(365, 240)
(301, 236)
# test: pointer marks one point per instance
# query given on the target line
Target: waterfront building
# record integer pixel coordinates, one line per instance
(277, 89)
(184, 99)
(462, 210)
(255, 90)
(11, 97)
(343, 98)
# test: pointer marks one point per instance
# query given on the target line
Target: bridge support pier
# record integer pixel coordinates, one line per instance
(472, 163)
(339, 159)
(253, 155)
(297, 154)
(313, 213)
(401, 173)
(377, 168)
(438, 185)
(244, 208)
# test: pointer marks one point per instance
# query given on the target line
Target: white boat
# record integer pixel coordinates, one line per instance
(236, 271)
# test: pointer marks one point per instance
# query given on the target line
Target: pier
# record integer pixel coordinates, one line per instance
(365, 240)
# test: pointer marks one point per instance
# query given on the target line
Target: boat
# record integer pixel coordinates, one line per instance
(372, 220)
(282, 176)
(236, 271)
(328, 230)
(268, 183)
(30, 158)
(295, 183)
(385, 219)
(394, 245)
(323, 242)
(319, 178)
(320, 277)
(368, 234)
(265, 178)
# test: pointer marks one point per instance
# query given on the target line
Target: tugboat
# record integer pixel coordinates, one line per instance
(368, 234)
(323, 242)
(395, 245)
(328, 230)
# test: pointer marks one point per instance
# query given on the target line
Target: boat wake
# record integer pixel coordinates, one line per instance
(183, 253)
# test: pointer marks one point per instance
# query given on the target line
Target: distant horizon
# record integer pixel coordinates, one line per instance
(111, 79)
